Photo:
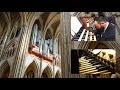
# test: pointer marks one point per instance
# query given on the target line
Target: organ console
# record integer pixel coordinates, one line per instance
(86, 32)
(91, 63)
(84, 35)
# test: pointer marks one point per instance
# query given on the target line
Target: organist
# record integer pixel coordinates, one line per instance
(95, 28)
(105, 30)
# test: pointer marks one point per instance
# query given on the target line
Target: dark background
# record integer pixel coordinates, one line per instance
(75, 55)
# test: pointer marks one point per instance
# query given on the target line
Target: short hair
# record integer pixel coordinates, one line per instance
(93, 15)
(96, 18)
(101, 14)
(101, 18)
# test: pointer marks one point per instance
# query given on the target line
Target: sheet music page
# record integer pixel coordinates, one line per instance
(75, 25)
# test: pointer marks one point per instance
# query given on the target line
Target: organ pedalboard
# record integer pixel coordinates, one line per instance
(83, 35)
(90, 65)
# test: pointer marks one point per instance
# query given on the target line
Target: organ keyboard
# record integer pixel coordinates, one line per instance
(83, 35)
(92, 38)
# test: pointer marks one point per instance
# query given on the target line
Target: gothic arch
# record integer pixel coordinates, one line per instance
(57, 31)
(17, 20)
(32, 17)
(4, 70)
(47, 72)
(38, 22)
(16, 17)
(86, 45)
(23, 18)
(48, 33)
(58, 74)
(41, 24)
(10, 49)
(50, 17)
(97, 45)
(4, 25)
(54, 19)
(35, 34)
(32, 70)
(107, 44)
(6, 17)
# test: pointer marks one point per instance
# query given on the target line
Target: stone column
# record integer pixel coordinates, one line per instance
(65, 44)
(20, 54)
(5, 39)
(41, 50)
(54, 54)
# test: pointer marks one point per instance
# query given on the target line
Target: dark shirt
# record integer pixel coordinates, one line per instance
(109, 34)
(98, 34)
(112, 20)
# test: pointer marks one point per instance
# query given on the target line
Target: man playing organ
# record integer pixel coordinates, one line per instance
(96, 28)
(106, 30)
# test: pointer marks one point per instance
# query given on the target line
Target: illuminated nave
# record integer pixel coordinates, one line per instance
(30, 45)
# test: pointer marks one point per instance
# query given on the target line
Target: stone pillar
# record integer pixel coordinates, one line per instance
(5, 39)
(65, 44)
(20, 54)
(54, 54)
(41, 51)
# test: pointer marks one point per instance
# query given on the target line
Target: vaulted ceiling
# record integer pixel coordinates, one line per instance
(48, 20)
